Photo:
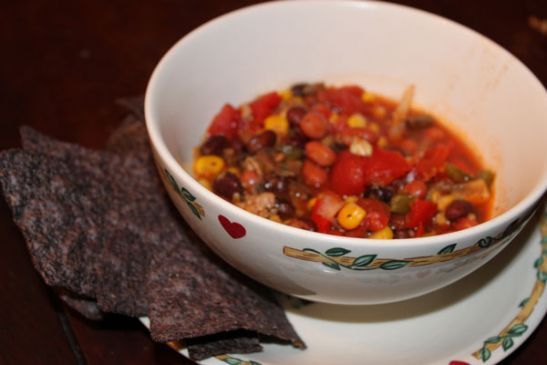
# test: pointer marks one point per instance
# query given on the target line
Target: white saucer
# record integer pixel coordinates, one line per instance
(480, 319)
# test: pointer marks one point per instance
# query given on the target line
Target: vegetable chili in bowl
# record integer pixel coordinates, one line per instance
(344, 161)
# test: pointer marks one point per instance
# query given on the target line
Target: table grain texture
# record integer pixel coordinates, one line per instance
(62, 66)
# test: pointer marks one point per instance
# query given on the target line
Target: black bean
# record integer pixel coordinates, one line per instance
(299, 89)
(295, 114)
(284, 208)
(419, 122)
(303, 89)
(277, 184)
(458, 209)
(214, 145)
(227, 185)
(338, 147)
(382, 193)
(237, 145)
(260, 141)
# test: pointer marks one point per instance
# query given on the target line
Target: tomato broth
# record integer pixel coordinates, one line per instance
(344, 161)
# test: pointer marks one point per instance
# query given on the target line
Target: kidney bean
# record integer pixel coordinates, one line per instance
(296, 137)
(227, 185)
(458, 209)
(313, 174)
(261, 141)
(214, 145)
(404, 233)
(320, 154)
(295, 114)
(314, 125)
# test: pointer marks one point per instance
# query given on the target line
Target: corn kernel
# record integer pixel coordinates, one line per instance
(208, 166)
(233, 170)
(297, 100)
(206, 183)
(384, 234)
(352, 199)
(311, 203)
(277, 123)
(361, 147)
(374, 127)
(444, 201)
(357, 120)
(382, 142)
(286, 94)
(435, 196)
(275, 218)
(379, 112)
(440, 219)
(351, 215)
(368, 97)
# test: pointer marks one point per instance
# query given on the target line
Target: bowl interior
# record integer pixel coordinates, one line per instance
(478, 89)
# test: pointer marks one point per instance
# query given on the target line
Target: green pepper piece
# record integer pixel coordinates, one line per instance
(291, 152)
(400, 203)
(487, 176)
(455, 173)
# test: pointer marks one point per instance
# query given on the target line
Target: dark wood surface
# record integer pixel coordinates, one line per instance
(62, 66)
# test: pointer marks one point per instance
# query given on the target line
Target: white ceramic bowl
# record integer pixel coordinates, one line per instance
(481, 90)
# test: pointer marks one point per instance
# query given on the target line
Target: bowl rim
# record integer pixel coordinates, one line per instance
(226, 207)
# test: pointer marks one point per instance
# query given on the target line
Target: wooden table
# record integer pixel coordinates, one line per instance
(63, 65)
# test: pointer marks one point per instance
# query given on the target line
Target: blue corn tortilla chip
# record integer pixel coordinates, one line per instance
(100, 228)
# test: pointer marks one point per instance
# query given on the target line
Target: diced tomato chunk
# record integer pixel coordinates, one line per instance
(264, 106)
(416, 188)
(347, 98)
(433, 161)
(377, 214)
(325, 209)
(347, 175)
(225, 123)
(383, 167)
(421, 212)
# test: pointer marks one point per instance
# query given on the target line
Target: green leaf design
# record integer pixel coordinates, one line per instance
(311, 250)
(332, 265)
(232, 361)
(187, 195)
(494, 339)
(524, 302)
(517, 330)
(485, 242)
(194, 210)
(538, 262)
(542, 276)
(363, 260)
(171, 180)
(485, 354)
(507, 343)
(447, 249)
(393, 264)
(337, 251)
(254, 363)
